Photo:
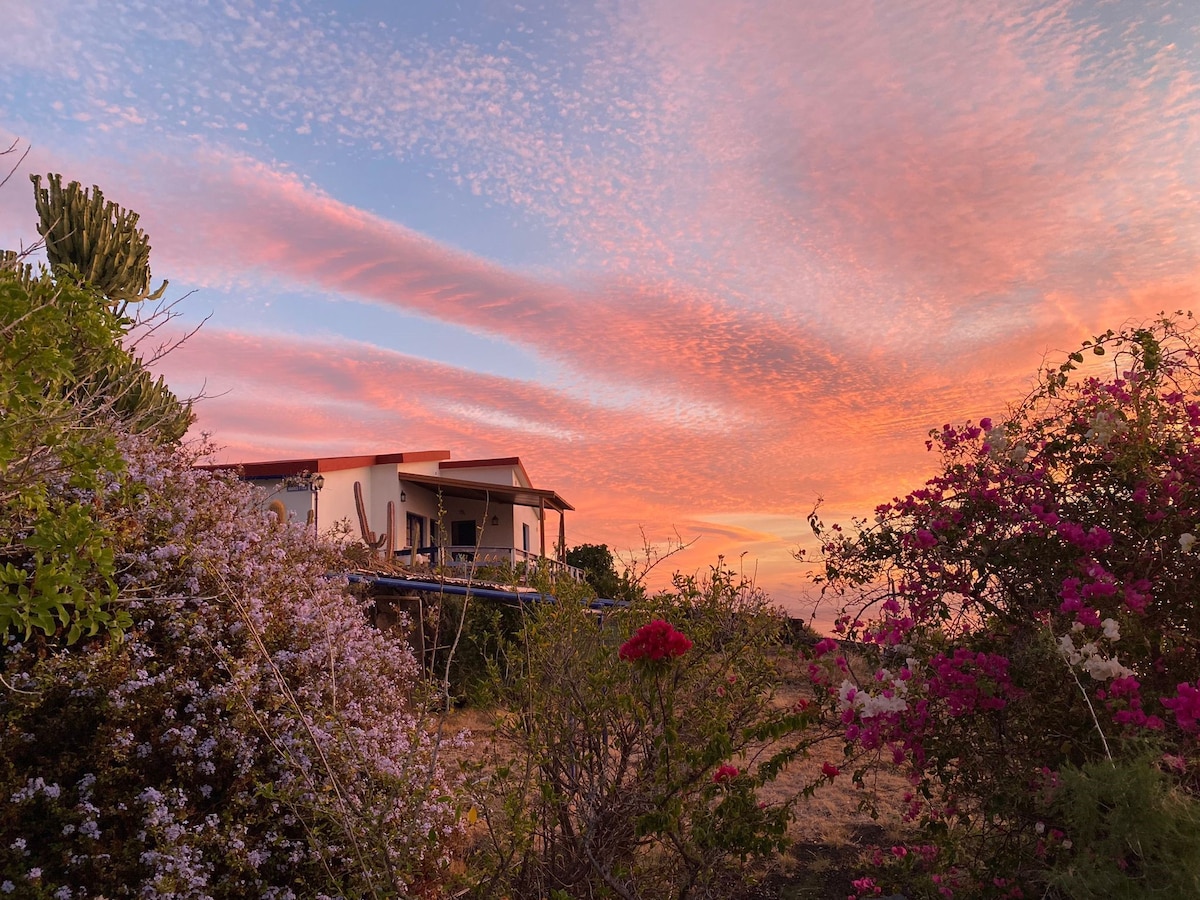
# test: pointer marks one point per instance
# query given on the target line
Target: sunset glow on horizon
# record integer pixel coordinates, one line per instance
(700, 264)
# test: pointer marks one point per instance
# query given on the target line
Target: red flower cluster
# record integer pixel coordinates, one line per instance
(725, 773)
(655, 641)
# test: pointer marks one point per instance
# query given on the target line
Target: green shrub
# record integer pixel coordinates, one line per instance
(489, 631)
(68, 386)
(57, 444)
(635, 776)
(1133, 833)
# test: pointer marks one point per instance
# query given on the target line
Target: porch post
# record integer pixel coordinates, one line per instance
(562, 536)
(542, 526)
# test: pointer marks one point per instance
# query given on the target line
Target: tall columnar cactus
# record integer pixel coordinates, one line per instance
(388, 538)
(98, 238)
(391, 530)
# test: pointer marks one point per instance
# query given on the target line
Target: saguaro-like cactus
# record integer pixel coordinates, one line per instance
(98, 238)
(388, 538)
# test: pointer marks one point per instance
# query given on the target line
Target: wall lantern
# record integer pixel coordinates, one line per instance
(403, 496)
(305, 481)
(495, 520)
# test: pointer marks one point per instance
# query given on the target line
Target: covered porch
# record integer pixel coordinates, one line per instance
(464, 524)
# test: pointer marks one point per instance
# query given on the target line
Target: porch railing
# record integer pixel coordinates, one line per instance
(466, 556)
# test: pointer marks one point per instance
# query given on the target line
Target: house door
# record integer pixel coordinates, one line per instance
(416, 530)
(463, 534)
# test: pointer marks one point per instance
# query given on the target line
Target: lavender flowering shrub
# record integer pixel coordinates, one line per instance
(250, 734)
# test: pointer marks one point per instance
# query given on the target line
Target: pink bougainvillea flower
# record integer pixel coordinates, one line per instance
(725, 773)
(830, 771)
(655, 641)
(925, 538)
(1186, 706)
(866, 887)
(823, 646)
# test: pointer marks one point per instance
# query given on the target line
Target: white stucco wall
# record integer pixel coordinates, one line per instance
(506, 475)
(429, 467)
(337, 498)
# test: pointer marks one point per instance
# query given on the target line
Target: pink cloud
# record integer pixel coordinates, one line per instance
(925, 164)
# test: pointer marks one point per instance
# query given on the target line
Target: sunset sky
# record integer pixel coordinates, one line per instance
(697, 262)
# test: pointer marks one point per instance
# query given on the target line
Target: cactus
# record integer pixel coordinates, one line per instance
(388, 538)
(98, 244)
(94, 240)
(279, 510)
(14, 262)
(391, 530)
(146, 405)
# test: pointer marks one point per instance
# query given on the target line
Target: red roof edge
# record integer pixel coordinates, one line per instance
(482, 463)
(412, 457)
(283, 467)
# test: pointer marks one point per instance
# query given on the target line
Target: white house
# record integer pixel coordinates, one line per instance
(453, 512)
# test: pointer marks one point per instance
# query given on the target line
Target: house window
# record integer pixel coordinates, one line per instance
(462, 534)
(525, 536)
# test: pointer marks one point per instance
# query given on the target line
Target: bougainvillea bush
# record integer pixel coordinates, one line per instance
(1035, 610)
(636, 746)
(248, 735)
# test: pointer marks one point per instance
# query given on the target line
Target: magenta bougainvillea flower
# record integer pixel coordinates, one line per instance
(655, 641)
(1186, 706)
